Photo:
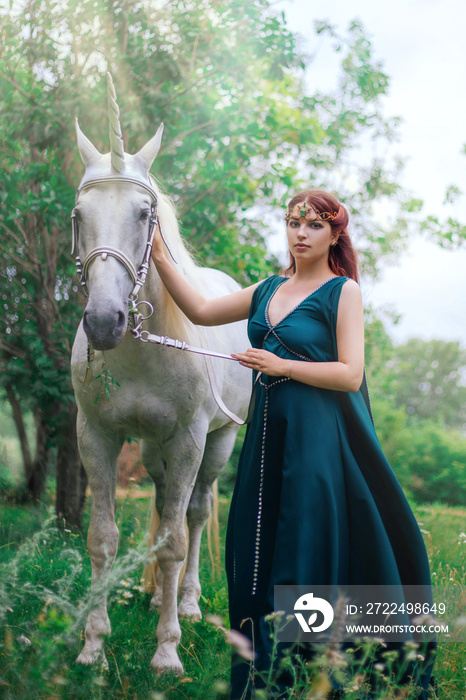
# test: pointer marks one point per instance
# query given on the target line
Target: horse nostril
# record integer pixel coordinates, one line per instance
(121, 320)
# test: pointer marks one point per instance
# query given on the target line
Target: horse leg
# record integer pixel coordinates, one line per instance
(157, 470)
(219, 446)
(99, 453)
(183, 465)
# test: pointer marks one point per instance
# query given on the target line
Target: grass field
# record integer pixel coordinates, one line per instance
(44, 590)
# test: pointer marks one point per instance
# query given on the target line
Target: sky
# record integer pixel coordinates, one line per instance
(422, 48)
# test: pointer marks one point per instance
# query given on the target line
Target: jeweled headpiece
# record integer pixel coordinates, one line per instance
(308, 212)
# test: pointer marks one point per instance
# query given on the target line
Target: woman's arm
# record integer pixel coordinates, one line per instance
(344, 375)
(199, 310)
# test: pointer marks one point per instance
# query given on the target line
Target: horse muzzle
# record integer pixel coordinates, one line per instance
(105, 327)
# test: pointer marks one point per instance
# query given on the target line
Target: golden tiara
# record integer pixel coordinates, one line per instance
(308, 212)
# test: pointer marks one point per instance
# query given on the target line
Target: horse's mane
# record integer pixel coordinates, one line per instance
(178, 325)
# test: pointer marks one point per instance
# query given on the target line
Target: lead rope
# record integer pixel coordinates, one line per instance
(147, 337)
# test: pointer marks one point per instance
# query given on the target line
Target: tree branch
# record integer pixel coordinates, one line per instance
(23, 92)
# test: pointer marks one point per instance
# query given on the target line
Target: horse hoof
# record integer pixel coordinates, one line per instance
(165, 662)
(189, 609)
(94, 658)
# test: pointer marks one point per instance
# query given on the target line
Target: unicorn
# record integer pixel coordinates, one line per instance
(163, 396)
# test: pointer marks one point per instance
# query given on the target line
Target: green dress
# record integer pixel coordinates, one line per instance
(315, 500)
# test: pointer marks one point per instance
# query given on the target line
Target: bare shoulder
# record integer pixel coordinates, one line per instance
(350, 303)
(351, 292)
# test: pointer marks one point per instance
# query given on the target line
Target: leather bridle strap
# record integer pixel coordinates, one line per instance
(147, 337)
(219, 400)
(105, 251)
(138, 276)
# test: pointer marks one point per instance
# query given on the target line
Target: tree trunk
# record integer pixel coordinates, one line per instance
(36, 478)
(71, 477)
(21, 430)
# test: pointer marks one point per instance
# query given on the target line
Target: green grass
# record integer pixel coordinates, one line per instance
(46, 580)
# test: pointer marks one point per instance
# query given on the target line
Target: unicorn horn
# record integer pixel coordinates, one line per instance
(117, 147)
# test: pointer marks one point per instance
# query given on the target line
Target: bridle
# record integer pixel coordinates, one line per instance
(138, 277)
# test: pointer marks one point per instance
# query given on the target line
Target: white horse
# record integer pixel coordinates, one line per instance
(163, 396)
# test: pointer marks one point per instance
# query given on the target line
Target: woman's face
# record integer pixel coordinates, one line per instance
(309, 237)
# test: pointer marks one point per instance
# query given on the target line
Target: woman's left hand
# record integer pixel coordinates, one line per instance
(263, 361)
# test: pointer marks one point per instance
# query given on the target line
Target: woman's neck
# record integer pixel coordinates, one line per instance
(312, 273)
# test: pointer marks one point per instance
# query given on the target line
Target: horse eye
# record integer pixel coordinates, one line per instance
(144, 215)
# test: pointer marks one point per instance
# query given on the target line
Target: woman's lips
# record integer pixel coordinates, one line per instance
(301, 246)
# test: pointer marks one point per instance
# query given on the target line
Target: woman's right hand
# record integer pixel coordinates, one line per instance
(205, 312)
(158, 252)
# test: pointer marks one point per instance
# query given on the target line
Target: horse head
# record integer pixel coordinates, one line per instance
(112, 221)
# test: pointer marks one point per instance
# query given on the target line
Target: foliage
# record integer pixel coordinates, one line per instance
(46, 580)
(418, 401)
(428, 460)
(429, 377)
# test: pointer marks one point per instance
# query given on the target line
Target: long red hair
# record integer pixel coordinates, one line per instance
(342, 258)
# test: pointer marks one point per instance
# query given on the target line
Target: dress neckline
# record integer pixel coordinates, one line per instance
(267, 317)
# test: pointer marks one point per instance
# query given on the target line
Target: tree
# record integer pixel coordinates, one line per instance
(241, 133)
(429, 381)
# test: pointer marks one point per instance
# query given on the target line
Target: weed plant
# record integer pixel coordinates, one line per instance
(45, 597)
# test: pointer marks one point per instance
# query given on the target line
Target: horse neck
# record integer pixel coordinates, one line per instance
(167, 318)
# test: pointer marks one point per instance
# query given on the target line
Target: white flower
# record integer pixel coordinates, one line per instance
(241, 643)
(411, 645)
(215, 620)
(275, 614)
(127, 594)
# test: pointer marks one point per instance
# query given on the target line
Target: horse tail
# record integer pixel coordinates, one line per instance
(213, 527)
(150, 569)
(149, 574)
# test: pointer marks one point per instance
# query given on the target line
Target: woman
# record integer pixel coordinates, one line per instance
(315, 501)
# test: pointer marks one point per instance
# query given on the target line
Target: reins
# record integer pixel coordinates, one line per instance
(138, 277)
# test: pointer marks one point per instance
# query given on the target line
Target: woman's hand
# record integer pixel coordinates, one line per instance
(263, 361)
(157, 253)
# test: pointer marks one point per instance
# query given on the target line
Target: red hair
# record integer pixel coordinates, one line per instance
(342, 257)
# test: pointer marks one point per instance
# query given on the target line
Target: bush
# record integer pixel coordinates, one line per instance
(428, 460)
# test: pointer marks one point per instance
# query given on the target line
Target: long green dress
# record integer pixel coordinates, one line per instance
(315, 500)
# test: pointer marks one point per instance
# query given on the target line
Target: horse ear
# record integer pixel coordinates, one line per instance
(88, 152)
(148, 152)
